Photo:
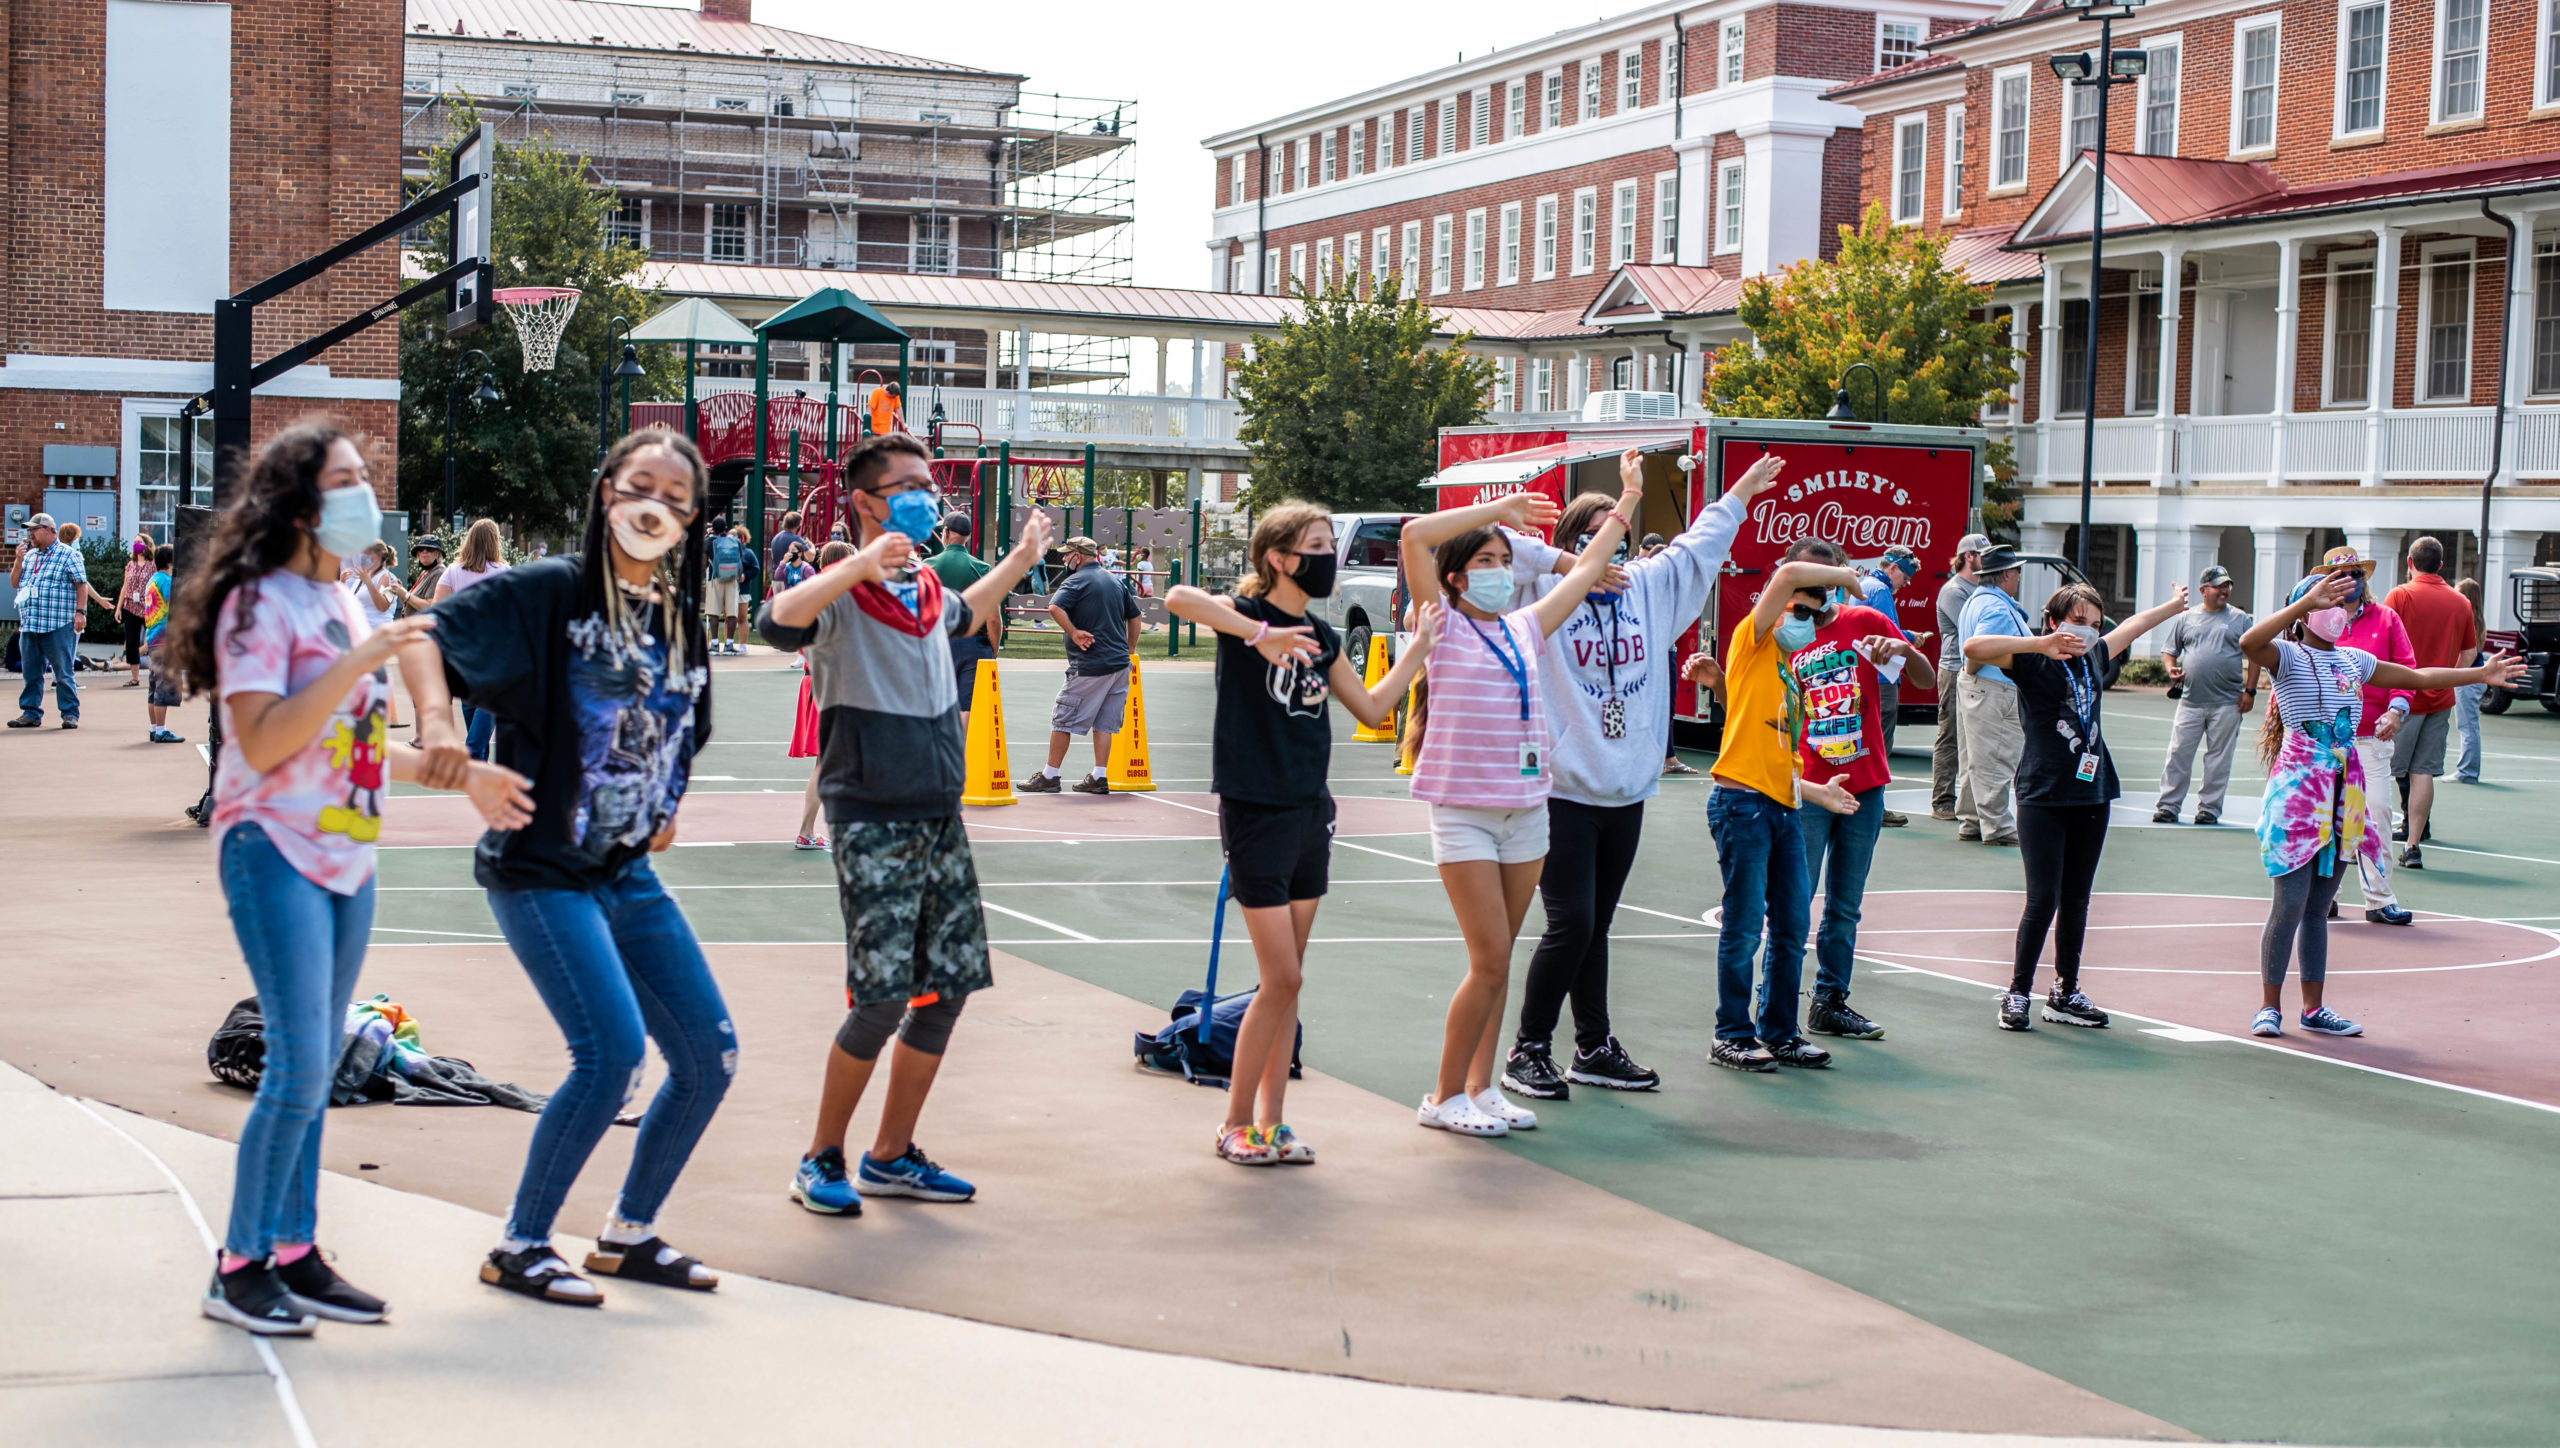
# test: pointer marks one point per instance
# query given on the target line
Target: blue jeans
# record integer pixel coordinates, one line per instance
(478, 725)
(619, 967)
(304, 945)
(1848, 844)
(53, 649)
(1760, 849)
(2466, 723)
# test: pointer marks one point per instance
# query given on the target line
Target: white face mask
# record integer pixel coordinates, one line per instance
(644, 529)
(2082, 632)
(349, 519)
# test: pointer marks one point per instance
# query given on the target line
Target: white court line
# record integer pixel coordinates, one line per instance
(982, 884)
(286, 1399)
(1076, 935)
(465, 934)
(824, 942)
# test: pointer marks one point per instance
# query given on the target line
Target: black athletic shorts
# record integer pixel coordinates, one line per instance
(1276, 853)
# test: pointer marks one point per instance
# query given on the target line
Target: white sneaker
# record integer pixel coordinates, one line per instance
(1492, 1103)
(1461, 1115)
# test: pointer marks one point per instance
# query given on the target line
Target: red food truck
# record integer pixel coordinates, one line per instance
(1864, 487)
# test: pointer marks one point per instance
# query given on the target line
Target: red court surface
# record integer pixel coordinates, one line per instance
(2462, 1001)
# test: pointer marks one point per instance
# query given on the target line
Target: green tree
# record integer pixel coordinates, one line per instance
(1888, 299)
(1345, 406)
(526, 458)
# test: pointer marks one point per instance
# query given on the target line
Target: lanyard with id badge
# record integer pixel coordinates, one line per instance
(2083, 678)
(1518, 669)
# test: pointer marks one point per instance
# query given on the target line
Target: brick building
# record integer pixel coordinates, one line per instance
(1620, 178)
(143, 181)
(2297, 338)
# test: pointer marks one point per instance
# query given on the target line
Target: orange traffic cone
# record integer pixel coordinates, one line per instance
(1130, 772)
(1377, 671)
(987, 776)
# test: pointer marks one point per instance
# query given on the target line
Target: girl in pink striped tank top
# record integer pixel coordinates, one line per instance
(1483, 767)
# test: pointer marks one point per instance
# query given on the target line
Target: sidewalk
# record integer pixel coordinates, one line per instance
(103, 1344)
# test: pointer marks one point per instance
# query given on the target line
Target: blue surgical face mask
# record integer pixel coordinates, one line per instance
(915, 513)
(1489, 588)
(349, 519)
(1794, 633)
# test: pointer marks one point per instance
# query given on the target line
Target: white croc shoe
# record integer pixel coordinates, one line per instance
(1461, 1115)
(1493, 1103)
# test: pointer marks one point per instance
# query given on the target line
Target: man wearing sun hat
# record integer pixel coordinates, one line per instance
(2374, 628)
(1946, 759)
(2203, 654)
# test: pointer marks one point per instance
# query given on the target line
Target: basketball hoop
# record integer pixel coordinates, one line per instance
(539, 315)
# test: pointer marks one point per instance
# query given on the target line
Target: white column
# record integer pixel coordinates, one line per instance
(1696, 155)
(1782, 203)
(1197, 422)
(2385, 347)
(2164, 467)
(2279, 564)
(1576, 379)
(2049, 372)
(995, 358)
(2508, 550)
(2160, 553)
(1022, 381)
(2384, 546)
(2288, 348)
(2519, 378)
(2018, 389)
(1163, 344)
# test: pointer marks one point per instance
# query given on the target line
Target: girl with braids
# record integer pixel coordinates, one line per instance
(264, 627)
(594, 667)
(2312, 824)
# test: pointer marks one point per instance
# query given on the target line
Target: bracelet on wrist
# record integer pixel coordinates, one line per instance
(1259, 634)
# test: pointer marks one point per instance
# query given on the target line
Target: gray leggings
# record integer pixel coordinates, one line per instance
(926, 1028)
(2301, 909)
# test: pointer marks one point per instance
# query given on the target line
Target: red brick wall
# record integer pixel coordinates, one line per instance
(1809, 40)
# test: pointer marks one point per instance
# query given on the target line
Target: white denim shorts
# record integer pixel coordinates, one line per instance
(1468, 832)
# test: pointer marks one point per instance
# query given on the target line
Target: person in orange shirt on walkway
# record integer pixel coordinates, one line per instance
(2442, 636)
(887, 410)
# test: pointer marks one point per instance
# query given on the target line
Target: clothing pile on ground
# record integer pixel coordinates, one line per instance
(380, 1059)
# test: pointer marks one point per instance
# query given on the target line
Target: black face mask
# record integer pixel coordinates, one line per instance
(1618, 555)
(1315, 574)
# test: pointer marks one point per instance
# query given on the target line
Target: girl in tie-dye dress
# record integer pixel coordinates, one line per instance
(2311, 824)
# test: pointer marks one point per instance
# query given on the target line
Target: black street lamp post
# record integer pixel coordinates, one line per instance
(2103, 71)
(485, 393)
(1841, 411)
(628, 368)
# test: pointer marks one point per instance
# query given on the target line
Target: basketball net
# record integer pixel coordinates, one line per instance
(539, 315)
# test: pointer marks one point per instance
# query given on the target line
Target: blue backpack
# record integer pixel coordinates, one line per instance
(728, 559)
(1177, 1050)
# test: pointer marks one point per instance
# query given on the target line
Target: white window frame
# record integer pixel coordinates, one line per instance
(1623, 216)
(1417, 131)
(1274, 163)
(131, 492)
(1542, 384)
(1270, 273)
(1918, 41)
(2436, 111)
(1733, 204)
(1515, 110)
(1448, 127)
(1409, 257)
(1443, 240)
(1546, 243)
(1301, 153)
(1729, 52)
(1235, 179)
(1324, 262)
(613, 221)
(1298, 264)
(2335, 263)
(1631, 78)
(1351, 260)
(2241, 29)
(2070, 101)
(2546, 53)
(2152, 45)
(2382, 110)
(1666, 217)
(1507, 269)
(1909, 209)
(746, 229)
(2545, 248)
(2001, 154)
(1381, 258)
(1595, 84)
(1586, 230)
(1356, 163)
(1475, 250)
(1951, 159)
(2145, 283)
(1551, 113)
(1332, 162)
(1506, 381)
(1666, 85)
(1480, 119)
(2432, 257)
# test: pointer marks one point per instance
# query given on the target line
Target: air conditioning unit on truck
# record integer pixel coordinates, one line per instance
(1862, 487)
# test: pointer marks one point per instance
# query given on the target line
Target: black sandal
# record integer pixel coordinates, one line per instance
(639, 1262)
(515, 1272)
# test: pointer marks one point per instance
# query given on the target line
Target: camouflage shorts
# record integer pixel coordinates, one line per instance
(912, 923)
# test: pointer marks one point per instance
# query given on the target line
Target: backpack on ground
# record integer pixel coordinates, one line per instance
(1177, 1050)
(728, 559)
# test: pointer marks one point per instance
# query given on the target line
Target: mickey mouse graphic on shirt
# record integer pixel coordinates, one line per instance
(1298, 689)
(357, 748)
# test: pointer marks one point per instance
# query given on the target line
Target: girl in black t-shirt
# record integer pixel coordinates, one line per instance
(2066, 785)
(1270, 748)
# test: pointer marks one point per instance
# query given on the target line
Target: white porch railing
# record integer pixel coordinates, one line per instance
(1206, 424)
(2229, 449)
(2416, 444)
(2436, 442)
(2328, 445)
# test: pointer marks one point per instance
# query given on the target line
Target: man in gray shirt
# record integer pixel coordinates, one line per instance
(2218, 689)
(1945, 760)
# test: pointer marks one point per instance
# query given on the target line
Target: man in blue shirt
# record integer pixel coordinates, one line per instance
(1876, 590)
(1987, 708)
(53, 587)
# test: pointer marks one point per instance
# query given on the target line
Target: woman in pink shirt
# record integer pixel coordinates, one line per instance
(1483, 767)
(2375, 629)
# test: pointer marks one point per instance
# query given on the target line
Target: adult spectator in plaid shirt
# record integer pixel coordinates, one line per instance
(53, 588)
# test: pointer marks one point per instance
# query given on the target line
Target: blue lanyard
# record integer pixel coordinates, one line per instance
(2083, 678)
(1518, 671)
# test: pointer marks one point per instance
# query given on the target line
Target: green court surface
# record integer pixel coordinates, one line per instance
(2249, 1243)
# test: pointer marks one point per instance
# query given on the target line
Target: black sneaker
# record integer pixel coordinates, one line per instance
(1091, 784)
(2164, 816)
(1799, 1052)
(27, 721)
(325, 1292)
(1742, 1054)
(2410, 859)
(1531, 1071)
(1611, 1067)
(2388, 915)
(1038, 783)
(1831, 1016)
(2400, 833)
(2207, 817)
(254, 1300)
(2013, 1012)
(71, 723)
(2072, 1008)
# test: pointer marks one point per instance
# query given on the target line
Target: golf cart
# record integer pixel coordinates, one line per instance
(2535, 639)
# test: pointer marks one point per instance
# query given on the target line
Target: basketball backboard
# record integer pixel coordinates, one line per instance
(468, 306)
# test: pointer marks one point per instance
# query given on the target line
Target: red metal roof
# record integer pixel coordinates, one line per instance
(647, 27)
(1915, 69)
(2175, 191)
(1976, 252)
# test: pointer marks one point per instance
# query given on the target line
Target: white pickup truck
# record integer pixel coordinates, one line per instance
(1363, 600)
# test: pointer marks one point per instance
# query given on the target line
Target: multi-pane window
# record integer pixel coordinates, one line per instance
(1666, 218)
(1271, 273)
(2160, 102)
(1910, 166)
(1515, 109)
(1586, 228)
(1448, 126)
(1413, 134)
(1440, 242)
(1480, 118)
(1359, 147)
(157, 477)
(934, 249)
(1506, 381)
(1670, 82)
(2082, 133)
(1235, 181)
(1630, 78)
(2550, 93)
(2253, 126)
(1475, 250)
(1542, 384)
(1951, 203)
(1897, 43)
(2146, 349)
(1271, 164)
(1409, 256)
(1351, 261)
(1591, 89)
(1622, 223)
(2546, 319)
(1380, 262)
(1729, 48)
(1298, 266)
(2360, 68)
(1305, 149)
(2458, 43)
(2350, 332)
(628, 223)
(2448, 325)
(1546, 253)
(1324, 263)
(1729, 207)
(1332, 159)
(1509, 272)
(2009, 110)
(1554, 100)
(2075, 357)
(728, 232)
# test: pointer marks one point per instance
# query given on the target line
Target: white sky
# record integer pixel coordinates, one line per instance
(1193, 70)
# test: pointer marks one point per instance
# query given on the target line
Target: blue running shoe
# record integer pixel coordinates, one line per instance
(2268, 1022)
(2326, 1022)
(820, 1185)
(913, 1175)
